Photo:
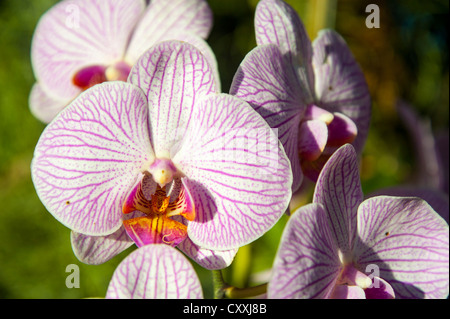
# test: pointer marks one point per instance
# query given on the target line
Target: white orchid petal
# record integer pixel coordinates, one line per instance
(209, 259)
(89, 156)
(338, 189)
(278, 23)
(164, 18)
(155, 272)
(95, 250)
(173, 75)
(307, 263)
(236, 171)
(408, 243)
(267, 82)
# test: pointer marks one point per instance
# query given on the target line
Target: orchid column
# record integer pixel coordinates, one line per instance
(194, 167)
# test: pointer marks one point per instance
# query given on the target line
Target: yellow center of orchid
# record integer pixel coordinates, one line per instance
(162, 170)
(112, 73)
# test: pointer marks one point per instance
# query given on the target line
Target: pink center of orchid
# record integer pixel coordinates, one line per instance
(157, 226)
(96, 74)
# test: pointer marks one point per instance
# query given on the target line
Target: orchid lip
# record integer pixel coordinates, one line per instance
(89, 76)
(157, 226)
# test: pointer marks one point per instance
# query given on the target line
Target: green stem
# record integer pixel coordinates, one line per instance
(321, 14)
(239, 293)
(223, 290)
(219, 284)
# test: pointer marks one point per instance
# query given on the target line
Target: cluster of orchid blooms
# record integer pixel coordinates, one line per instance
(141, 147)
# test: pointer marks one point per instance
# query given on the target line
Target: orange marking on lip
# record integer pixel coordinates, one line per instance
(157, 226)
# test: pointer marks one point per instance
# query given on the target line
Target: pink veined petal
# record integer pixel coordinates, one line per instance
(163, 17)
(348, 292)
(96, 250)
(155, 272)
(173, 75)
(340, 85)
(76, 34)
(202, 46)
(237, 173)
(312, 138)
(408, 242)
(380, 289)
(43, 106)
(209, 259)
(266, 81)
(90, 155)
(338, 189)
(278, 23)
(436, 198)
(307, 264)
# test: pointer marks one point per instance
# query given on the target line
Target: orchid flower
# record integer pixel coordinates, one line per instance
(164, 158)
(78, 44)
(343, 247)
(155, 272)
(315, 93)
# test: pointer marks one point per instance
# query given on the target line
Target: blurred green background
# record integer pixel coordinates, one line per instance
(407, 58)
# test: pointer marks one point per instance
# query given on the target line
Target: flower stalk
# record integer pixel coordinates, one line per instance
(223, 290)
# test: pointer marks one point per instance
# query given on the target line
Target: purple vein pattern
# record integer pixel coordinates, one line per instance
(268, 84)
(95, 250)
(207, 258)
(277, 23)
(86, 161)
(237, 172)
(173, 77)
(312, 273)
(155, 272)
(338, 189)
(409, 241)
